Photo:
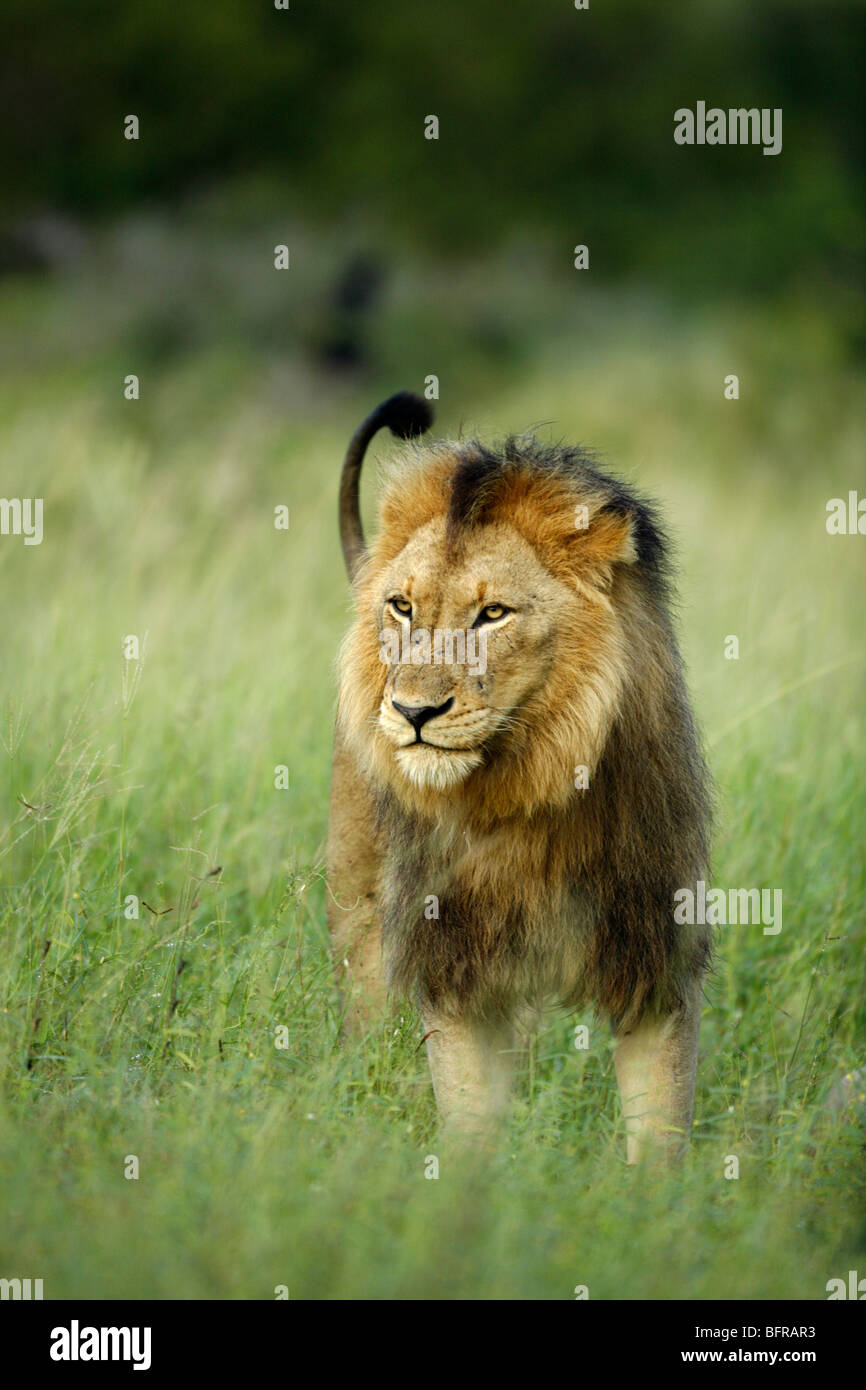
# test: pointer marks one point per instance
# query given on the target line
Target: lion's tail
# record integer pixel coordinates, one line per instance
(405, 415)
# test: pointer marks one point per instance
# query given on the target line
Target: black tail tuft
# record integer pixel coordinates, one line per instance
(405, 414)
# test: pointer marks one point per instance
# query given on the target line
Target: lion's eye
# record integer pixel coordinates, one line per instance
(401, 606)
(491, 614)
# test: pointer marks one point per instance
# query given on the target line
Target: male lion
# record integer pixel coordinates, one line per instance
(510, 829)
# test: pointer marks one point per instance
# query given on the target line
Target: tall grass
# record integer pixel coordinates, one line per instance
(150, 784)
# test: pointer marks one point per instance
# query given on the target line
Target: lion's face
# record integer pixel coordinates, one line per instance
(467, 646)
(488, 652)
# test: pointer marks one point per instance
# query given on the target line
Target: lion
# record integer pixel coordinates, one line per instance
(508, 827)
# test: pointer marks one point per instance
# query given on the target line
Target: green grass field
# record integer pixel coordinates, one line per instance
(304, 1166)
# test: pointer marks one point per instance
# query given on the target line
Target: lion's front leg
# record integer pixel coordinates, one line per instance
(655, 1071)
(472, 1064)
(354, 922)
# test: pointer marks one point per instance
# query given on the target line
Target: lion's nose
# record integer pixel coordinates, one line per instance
(419, 714)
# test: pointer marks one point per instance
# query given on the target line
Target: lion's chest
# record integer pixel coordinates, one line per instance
(484, 917)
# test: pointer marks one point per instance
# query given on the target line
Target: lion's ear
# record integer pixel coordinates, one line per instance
(604, 539)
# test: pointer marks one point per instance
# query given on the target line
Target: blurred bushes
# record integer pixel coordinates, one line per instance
(552, 120)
